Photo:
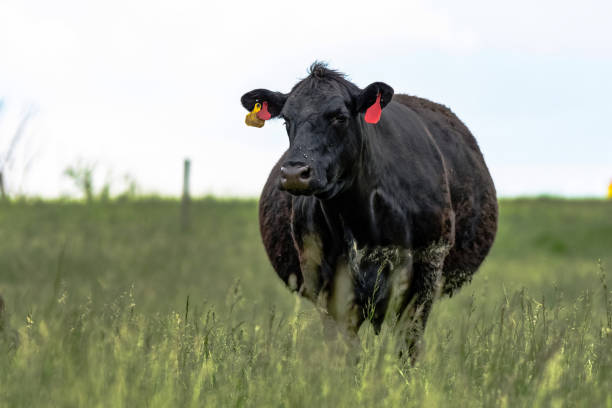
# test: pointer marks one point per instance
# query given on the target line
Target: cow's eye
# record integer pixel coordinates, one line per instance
(339, 119)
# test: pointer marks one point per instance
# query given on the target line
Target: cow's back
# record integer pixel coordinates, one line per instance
(473, 194)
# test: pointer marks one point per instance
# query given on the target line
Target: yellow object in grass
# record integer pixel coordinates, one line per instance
(252, 119)
(610, 191)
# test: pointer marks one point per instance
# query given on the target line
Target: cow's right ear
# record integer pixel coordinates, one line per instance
(276, 100)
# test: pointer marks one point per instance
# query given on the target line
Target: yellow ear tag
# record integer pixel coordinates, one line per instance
(252, 119)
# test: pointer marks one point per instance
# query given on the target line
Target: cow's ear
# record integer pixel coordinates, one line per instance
(276, 100)
(374, 96)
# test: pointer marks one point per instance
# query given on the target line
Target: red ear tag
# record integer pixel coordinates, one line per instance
(372, 115)
(263, 114)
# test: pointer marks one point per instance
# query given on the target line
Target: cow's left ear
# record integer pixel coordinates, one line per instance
(276, 100)
(368, 100)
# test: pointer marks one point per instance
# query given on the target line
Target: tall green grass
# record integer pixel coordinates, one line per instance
(112, 305)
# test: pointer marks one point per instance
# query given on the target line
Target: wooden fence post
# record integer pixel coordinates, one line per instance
(2, 192)
(1, 313)
(186, 199)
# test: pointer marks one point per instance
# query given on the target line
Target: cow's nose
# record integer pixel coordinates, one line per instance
(295, 178)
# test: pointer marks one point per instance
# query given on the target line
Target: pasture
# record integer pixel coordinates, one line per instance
(111, 304)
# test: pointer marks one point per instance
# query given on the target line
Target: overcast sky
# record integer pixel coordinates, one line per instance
(135, 86)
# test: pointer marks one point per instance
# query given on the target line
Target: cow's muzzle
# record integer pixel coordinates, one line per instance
(295, 179)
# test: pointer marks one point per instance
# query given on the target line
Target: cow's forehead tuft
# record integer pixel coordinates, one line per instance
(304, 105)
(313, 99)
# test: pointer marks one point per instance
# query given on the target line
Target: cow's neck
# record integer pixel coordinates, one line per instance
(352, 209)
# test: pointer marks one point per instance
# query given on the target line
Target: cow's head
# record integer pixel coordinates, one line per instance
(324, 118)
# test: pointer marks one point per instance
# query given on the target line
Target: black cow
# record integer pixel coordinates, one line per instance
(373, 220)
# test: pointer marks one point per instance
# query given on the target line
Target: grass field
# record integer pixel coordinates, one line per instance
(111, 305)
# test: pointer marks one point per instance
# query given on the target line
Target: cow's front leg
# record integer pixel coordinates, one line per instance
(310, 250)
(328, 284)
(424, 289)
(412, 320)
(341, 301)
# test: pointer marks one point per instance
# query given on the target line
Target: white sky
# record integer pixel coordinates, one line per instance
(136, 86)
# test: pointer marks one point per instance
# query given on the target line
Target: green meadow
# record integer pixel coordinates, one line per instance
(111, 304)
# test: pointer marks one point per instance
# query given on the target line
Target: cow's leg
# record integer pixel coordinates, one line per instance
(424, 289)
(343, 316)
(413, 318)
(400, 278)
(330, 292)
(340, 302)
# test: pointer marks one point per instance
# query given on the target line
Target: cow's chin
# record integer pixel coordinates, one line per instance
(322, 193)
(296, 193)
(330, 191)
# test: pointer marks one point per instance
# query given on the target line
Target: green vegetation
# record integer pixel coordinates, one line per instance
(110, 304)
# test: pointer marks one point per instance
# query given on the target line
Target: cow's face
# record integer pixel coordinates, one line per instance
(324, 122)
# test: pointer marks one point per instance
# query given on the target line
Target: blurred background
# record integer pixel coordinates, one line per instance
(125, 90)
(134, 297)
